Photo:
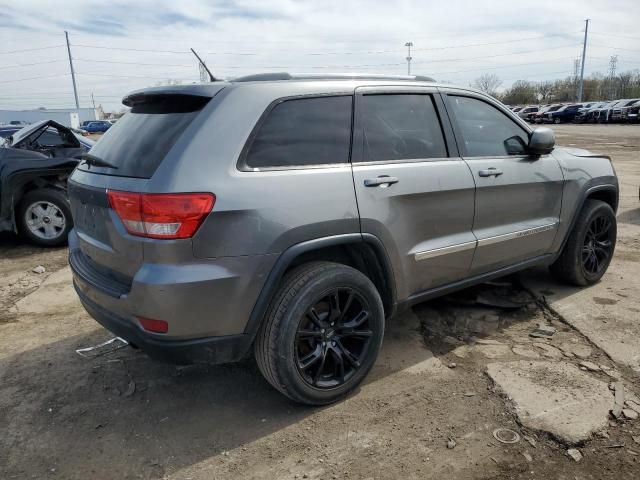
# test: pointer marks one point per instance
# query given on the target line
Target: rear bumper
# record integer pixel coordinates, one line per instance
(213, 350)
(207, 303)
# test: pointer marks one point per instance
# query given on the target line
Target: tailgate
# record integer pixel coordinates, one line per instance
(104, 245)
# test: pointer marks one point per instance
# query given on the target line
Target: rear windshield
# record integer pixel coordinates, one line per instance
(138, 142)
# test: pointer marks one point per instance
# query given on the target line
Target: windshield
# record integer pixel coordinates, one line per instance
(26, 131)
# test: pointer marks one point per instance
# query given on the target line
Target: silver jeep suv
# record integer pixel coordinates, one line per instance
(292, 216)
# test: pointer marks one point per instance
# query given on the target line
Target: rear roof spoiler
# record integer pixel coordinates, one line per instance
(208, 90)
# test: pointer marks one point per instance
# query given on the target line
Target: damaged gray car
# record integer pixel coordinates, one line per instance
(35, 163)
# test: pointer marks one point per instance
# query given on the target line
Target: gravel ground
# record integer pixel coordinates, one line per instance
(124, 416)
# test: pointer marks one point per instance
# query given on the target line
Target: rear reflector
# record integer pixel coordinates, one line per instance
(155, 326)
(161, 215)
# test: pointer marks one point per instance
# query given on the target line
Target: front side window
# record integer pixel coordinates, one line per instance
(486, 131)
(401, 127)
(302, 132)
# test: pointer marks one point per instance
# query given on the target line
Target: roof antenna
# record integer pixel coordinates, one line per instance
(204, 65)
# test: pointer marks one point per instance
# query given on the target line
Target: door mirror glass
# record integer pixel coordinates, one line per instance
(541, 141)
(515, 145)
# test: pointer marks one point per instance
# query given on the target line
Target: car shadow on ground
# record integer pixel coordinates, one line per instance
(133, 416)
(14, 247)
(136, 417)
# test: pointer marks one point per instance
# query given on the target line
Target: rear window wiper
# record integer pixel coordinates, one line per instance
(96, 161)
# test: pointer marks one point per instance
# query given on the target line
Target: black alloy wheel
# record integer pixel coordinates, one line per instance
(332, 339)
(598, 245)
(589, 248)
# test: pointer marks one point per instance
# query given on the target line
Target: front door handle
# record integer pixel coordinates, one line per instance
(382, 181)
(490, 172)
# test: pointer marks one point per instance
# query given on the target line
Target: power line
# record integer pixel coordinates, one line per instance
(315, 67)
(494, 56)
(133, 63)
(370, 52)
(34, 78)
(131, 49)
(504, 66)
(616, 36)
(30, 64)
(30, 49)
(482, 44)
(329, 38)
(615, 48)
(133, 76)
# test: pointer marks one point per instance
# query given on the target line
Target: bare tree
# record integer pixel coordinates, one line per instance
(545, 89)
(624, 80)
(488, 83)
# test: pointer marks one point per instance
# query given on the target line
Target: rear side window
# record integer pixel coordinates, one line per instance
(302, 132)
(139, 141)
(401, 127)
(486, 131)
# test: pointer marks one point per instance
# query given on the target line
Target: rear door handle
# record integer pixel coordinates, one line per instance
(490, 172)
(381, 181)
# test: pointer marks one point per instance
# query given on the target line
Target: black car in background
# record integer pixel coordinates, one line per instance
(564, 114)
(49, 136)
(631, 113)
(35, 163)
(618, 111)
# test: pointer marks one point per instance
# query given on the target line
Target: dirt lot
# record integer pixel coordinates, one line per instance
(451, 372)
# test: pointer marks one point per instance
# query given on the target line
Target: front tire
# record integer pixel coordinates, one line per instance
(322, 333)
(590, 246)
(44, 217)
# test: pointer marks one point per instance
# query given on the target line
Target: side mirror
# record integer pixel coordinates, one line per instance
(541, 141)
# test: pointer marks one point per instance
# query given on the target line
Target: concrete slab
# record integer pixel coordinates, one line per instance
(55, 294)
(607, 313)
(555, 397)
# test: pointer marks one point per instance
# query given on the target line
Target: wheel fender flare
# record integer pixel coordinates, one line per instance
(587, 190)
(290, 254)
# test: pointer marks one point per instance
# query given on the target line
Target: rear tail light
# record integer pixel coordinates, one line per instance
(155, 326)
(161, 215)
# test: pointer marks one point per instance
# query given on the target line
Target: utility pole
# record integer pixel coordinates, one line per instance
(93, 100)
(409, 58)
(613, 63)
(73, 73)
(576, 73)
(584, 58)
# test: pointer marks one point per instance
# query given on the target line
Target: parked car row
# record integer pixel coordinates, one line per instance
(617, 111)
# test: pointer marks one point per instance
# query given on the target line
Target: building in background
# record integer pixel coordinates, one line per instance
(70, 117)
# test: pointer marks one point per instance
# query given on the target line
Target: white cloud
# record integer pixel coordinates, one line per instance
(251, 36)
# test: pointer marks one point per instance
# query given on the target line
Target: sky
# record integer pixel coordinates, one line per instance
(119, 46)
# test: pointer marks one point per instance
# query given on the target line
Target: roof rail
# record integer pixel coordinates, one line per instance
(266, 77)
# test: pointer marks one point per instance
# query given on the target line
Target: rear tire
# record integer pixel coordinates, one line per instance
(322, 333)
(590, 246)
(44, 217)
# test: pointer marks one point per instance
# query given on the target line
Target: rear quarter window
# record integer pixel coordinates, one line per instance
(302, 132)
